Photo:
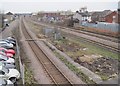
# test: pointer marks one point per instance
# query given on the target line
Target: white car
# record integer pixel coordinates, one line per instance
(6, 59)
(4, 82)
(6, 44)
(9, 74)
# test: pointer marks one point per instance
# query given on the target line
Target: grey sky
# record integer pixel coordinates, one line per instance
(37, 5)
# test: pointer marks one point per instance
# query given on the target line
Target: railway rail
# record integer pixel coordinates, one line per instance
(106, 46)
(114, 49)
(52, 70)
(113, 39)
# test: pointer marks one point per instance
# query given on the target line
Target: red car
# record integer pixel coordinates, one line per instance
(6, 54)
(7, 50)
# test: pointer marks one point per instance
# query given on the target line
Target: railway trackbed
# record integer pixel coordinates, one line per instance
(55, 74)
(112, 39)
(106, 45)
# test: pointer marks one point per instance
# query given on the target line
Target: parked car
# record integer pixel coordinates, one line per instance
(8, 50)
(6, 59)
(10, 41)
(6, 65)
(9, 74)
(6, 54)
(6, 45)
(4, 82)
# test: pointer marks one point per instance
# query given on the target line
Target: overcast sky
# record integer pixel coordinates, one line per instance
(22, 6)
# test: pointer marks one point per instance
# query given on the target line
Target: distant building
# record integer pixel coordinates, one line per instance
(9, 16)
(9, 13)
(82, 15)
(111, 17)
(77, 16)
(56, 16)
(104, 16)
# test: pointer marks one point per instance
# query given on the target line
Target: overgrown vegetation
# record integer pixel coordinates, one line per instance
(92, 48)
(74, 69)
(74, 49)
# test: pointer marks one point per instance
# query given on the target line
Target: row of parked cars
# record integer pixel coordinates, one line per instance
(8, 72)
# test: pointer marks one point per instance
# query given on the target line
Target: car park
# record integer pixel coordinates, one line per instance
(6, 54)
(4, 82)
(9, 74)
(8, 50)
(6, 59)
(10, 41)
(6, 45)
(9, 66)
(11, 37)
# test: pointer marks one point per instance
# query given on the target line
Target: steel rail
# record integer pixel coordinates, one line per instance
(54, 72)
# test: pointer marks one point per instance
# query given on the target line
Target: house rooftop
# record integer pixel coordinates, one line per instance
(9, 13)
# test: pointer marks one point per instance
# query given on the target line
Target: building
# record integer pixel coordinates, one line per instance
(9, 16)
(111, 17)
(82, 15)
(77, 16)
(56, 16)
(100, 15)
(95, 16)
(104, 16)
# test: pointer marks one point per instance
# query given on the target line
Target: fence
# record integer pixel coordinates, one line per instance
(103, 26)
(21, 66)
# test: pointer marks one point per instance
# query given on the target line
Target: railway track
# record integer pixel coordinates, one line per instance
(106, 46)
(105, 37)
(112, 39)
(111, 48)
(52, 70)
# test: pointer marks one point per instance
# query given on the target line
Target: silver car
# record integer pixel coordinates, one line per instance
(9, 74)
(4, 82)
(6, 44)
(7, 59)
(8, 66)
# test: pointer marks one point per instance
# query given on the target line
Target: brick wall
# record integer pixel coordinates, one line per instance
(109, 18)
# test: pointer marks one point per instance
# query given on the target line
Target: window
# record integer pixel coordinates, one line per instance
(114, 17)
